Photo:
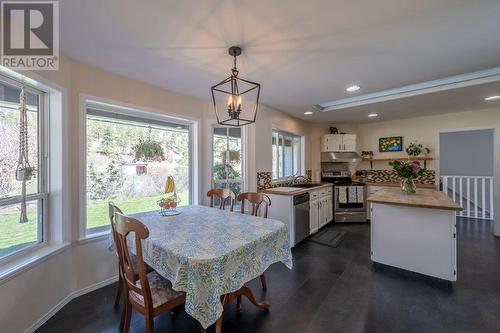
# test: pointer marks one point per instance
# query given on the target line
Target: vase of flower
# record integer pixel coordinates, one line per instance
(408, 171)
(408, 186)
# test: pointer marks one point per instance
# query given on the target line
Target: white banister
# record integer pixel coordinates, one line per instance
(468, 194)
(492, 205)
(476, 198)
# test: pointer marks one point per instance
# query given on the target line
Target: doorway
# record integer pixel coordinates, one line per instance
(466, 167)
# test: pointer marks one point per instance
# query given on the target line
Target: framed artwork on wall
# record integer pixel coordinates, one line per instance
(390, 144)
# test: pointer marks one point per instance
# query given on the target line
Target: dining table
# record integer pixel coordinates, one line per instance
(211, 254)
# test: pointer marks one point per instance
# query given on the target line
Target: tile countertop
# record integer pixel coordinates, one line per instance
(290, 190)
(368, 183)
(424, 198)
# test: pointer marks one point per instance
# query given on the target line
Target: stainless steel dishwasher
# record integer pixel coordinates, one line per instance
(301, 216)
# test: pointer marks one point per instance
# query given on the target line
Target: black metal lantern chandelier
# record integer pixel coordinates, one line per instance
(236, 100)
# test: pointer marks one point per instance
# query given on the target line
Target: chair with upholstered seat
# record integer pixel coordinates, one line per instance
(260, 207)
(112, 210)
(151, 295)
(223, 195)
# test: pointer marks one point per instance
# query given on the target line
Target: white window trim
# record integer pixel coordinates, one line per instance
(209, 154)
(140, 111)
(57, 232)
(302, 154)
(42, 163)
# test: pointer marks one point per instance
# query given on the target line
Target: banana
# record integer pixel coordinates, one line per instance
(170, 185)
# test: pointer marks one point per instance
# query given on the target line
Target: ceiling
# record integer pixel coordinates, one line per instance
(303, 53)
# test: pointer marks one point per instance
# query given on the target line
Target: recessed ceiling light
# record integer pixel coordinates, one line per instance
(353, 88)
(491, 98)
(373, 115)
(308, 112)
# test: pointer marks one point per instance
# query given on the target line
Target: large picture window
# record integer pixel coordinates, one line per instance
(227, 158)
(16, 236)
(286, 154)
(128, 161)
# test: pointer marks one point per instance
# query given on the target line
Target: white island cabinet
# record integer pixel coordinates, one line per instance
(415, 232)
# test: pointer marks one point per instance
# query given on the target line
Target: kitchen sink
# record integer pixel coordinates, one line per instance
(303, 185)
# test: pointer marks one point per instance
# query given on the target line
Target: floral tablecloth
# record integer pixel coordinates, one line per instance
(207, 252)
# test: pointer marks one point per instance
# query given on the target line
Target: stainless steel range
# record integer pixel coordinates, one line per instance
(349, 198)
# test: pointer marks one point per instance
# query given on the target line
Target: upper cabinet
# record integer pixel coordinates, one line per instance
(338, 142)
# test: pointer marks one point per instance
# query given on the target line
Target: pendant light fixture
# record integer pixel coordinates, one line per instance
(236, 100)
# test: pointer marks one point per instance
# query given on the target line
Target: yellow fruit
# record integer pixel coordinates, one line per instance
(170, 185)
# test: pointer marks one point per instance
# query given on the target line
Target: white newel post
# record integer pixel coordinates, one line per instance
(496, 189)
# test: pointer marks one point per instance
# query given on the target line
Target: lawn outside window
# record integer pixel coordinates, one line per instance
(128, 159)
(17, 238)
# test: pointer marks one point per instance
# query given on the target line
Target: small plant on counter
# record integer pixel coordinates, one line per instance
(408, 171)
(415, 149)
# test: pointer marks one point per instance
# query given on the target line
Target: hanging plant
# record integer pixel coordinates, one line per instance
(233, 156)
(148, 150)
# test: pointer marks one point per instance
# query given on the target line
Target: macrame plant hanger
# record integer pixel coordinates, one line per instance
(24, 171)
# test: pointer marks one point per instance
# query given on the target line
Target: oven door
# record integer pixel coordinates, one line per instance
(345, 211)
(346, 205)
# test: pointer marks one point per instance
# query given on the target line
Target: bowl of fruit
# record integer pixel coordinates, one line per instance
(168, 204)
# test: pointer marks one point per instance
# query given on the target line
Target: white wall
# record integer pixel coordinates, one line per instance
(34, 292)
(466, 153)
(261, 136)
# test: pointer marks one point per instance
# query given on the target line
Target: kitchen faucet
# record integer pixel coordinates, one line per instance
(297, 177)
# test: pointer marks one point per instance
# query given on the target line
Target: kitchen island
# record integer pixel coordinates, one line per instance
(415, 232)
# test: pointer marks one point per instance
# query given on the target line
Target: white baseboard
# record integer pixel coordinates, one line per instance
(77, 293)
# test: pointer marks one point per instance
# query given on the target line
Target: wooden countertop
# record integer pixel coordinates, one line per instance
(424, 198)
(294, 192)
(368, 183)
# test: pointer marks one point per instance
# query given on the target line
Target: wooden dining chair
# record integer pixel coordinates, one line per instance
(112, 210)
(223, 195)
(260, 207)
(257, 200)
(150, 295)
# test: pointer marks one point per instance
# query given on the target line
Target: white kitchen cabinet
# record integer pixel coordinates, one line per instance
(349, 142)
(338, 143)
(416, 239)
(321, 208)
(322, 212)
(371, 190)
(313, 216)
(329, 209)
(325, 211)
(331, 142)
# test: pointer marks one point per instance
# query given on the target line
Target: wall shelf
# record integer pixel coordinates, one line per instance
(386, 159)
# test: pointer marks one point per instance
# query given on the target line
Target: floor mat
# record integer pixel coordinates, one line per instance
(329, 237)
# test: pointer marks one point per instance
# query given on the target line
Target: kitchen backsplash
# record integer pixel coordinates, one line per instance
(390, 176)
(264, 180)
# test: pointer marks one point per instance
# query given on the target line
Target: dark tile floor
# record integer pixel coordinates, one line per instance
(339, 290)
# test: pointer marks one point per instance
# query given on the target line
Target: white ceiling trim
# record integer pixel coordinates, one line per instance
(427, 87)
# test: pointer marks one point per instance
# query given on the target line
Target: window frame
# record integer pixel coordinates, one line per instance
(42, 194)
(145, 113)
(212, 127)
(300, 161)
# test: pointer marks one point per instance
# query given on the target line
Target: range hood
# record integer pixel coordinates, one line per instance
(340, 157)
